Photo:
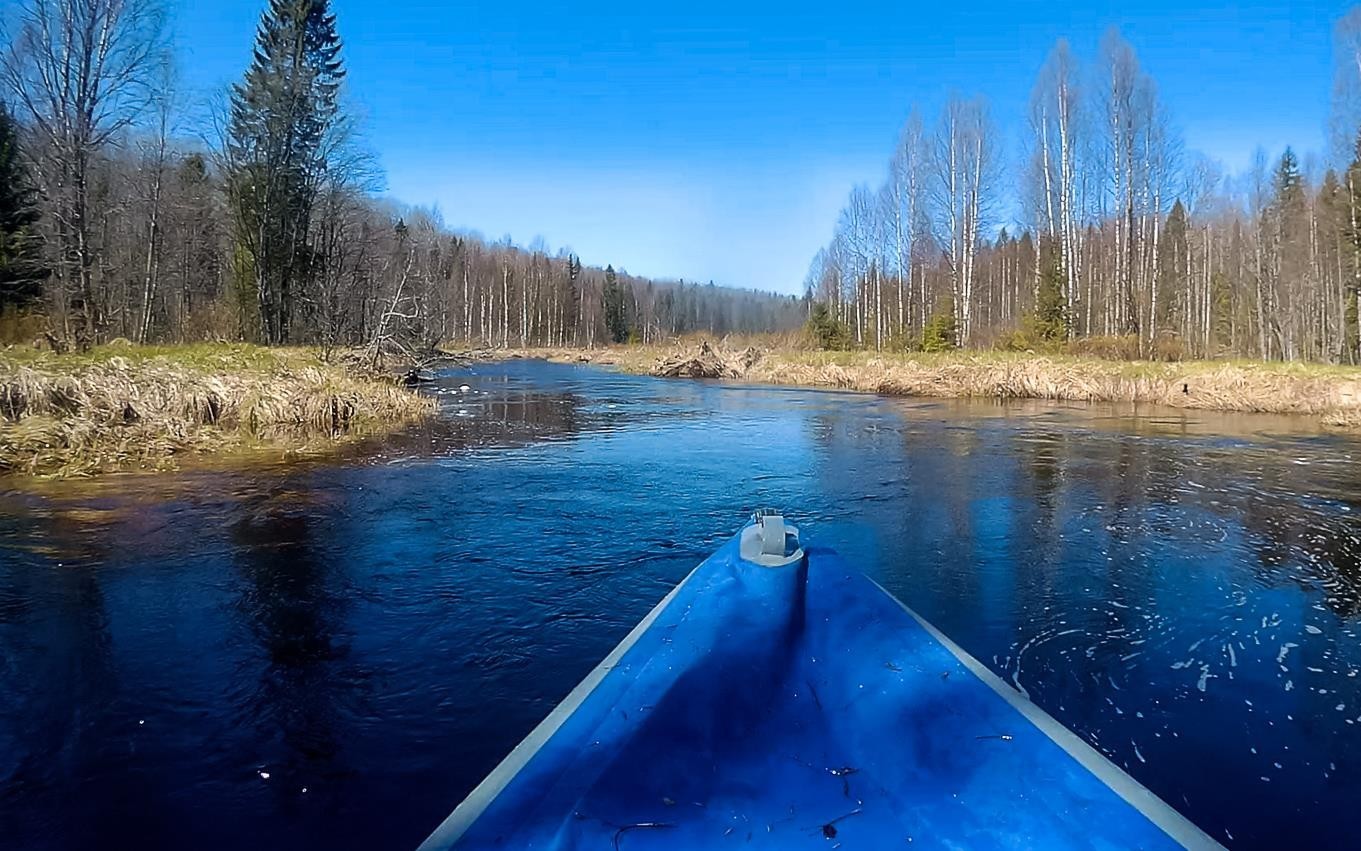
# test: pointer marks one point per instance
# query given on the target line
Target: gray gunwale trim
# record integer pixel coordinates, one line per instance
(1177, 826)
(452, 828)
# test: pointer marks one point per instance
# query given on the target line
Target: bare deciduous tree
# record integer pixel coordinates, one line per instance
(965, 163)
(82, 71)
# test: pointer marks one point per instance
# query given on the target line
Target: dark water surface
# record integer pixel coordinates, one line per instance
(333, 655)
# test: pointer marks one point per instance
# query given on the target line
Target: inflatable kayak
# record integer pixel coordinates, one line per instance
(778, 699)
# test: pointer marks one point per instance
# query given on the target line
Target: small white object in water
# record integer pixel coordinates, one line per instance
(304, 790)
(264, 775)
(463, 388)
(1204, 677)
(140, 723)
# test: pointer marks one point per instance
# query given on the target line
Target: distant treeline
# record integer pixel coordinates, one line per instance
(1123, 240)
(266, 227)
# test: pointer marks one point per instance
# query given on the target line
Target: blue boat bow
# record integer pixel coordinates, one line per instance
(778, 699)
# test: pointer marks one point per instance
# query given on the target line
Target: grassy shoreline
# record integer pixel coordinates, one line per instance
(153, 408)
(1331, 394)
(150, 407)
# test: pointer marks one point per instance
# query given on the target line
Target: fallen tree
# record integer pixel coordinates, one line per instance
(706, 362)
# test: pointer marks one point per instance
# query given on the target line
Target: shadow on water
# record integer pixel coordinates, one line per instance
(293, 599)
(335, 653)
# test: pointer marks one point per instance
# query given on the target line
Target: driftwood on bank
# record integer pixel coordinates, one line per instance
(389, 358)
(422, 371)
(706, 362)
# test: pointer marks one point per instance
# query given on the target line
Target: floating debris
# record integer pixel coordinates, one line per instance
(829, 829)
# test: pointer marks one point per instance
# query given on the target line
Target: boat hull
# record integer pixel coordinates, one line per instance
(801, 707)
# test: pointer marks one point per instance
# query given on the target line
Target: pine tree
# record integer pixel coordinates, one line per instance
(21, 271)
(1050, 323)
(1290, 233)
(826, 331)
(941, 333)
(1352, 261)
(616, 319)
(1172, 271)
(281, 115)
(1289, 183)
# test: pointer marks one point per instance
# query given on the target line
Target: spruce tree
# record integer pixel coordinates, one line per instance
(1352, 282)
(826, 330)
(1289, 183)
(941, 333)
(616, 318)
(1173, 271)
(1050, 322)
(281, 115)
(21, 271)
(1290, 206)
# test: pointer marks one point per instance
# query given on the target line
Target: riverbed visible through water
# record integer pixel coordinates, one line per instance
(333, 653)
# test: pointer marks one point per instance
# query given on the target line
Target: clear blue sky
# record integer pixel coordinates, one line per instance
(718, 141)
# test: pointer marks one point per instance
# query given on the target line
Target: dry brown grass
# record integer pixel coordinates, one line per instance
(1331, 393)
(1204, 385)
(121, 407)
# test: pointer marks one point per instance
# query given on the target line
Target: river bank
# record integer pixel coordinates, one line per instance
(1331, 394)
(145, 407)
(149, 407)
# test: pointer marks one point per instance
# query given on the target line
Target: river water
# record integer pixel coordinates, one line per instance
(333, 654)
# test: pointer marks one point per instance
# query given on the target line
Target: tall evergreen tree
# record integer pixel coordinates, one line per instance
(616, 317)
(1050, 323)
(941, 332)
(282, 114)
(1172, 307)
(21, 271)
(1351, 283)
(1287, 235)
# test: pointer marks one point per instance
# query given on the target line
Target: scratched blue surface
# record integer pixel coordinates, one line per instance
(783, 708)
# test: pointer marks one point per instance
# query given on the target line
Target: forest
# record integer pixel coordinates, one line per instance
(1123, 242)
(126, 213)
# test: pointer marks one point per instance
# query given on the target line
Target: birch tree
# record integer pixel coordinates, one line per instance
(964, 166)
(81, 72)
(907, 185)
(1056, 123)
